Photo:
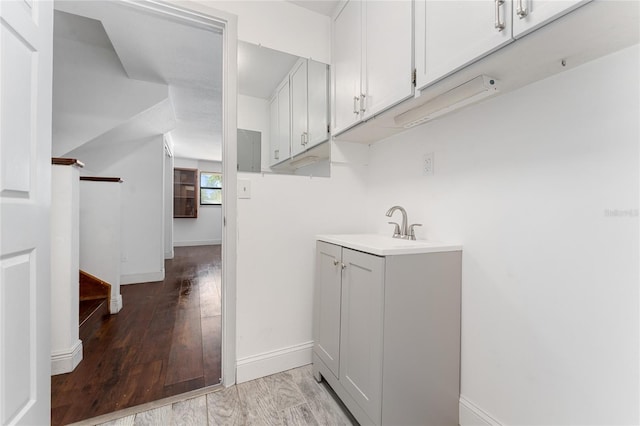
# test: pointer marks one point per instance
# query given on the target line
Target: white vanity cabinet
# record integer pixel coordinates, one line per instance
(309, 105)
(451, 34)
(528, 15)
(387, 328)
(280, 132)
(372, 59)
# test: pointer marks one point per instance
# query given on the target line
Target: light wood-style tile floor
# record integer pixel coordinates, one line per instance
(289, 398)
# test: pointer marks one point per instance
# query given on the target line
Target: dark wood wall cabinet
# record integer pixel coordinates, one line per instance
(185, 192)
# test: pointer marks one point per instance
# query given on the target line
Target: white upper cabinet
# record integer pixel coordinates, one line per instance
(318, 103)
(309, 105)
(529, 15)
(347, 56)
(452, 34)
(299, 112)
(279, 114)
(372, 59)
(387, 55)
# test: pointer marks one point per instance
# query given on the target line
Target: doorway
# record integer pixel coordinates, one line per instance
(146, 65)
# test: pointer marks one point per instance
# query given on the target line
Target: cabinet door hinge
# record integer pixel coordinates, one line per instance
(414, 77)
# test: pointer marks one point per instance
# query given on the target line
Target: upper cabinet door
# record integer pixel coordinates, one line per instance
(299, 108)
(284, 122)
(347, 43)
(388, 55)
(529, 15)
(451, 34)
(318, 106)
(274, 132)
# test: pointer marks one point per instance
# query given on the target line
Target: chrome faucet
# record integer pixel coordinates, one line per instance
(402, 231)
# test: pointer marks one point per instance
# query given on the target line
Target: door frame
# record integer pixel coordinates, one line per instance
(200, 15)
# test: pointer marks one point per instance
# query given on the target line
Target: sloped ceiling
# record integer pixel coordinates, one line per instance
(187, 59)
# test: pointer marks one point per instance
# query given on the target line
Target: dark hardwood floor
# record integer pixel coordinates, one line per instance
(164, 341)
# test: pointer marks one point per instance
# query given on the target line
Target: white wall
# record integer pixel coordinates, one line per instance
(526, 182)
(206, 229)
(281, 25)
(253, 114)
(101, 235)
(142, 204)
(66, 347)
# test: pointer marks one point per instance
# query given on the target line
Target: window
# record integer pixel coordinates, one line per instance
(210, 188)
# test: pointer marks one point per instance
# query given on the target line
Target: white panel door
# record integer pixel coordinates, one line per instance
(361, 330)
(26, 29)
(318, 103)
(388, 54)
(529, 15)
(299, 118)
(328, 287)
(452, 34)
(347, 66)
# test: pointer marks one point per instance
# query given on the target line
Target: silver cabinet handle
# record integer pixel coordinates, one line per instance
(335, 262)
(355, 108)
(344, 266)
(276, 154)
(363, 104)
(305, 136)
(499, 25)
(302, 139)
(521, 9)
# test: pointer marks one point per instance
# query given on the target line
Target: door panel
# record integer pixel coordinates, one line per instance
(539, 12)
(388, 54)
(327, 304)
(361, 339)
(25, 180)
(452, 34)
(299, 108)
(318, 107)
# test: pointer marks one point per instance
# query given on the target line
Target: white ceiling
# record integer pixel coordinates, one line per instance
(188, 59)
(324, 7)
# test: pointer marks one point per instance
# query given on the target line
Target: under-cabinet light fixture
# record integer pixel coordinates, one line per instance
(462, 95)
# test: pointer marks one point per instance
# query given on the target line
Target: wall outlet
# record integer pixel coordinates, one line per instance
(427, 164)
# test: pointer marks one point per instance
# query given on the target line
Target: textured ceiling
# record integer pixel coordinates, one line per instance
(188, 59)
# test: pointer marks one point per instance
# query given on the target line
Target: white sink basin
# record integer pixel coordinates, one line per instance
(385, 245)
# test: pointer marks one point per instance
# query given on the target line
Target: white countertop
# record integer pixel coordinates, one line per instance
(385, 245)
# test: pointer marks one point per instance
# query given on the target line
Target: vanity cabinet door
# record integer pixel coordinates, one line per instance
(328, 292)
(452, 34)
(361, 330)
(529, 15)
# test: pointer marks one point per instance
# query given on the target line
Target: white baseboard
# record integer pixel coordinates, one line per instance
(265, 364)
(169, 254)
(66, 361)
(116, 304)
(147, 277)
(196, 243)
(472, 415)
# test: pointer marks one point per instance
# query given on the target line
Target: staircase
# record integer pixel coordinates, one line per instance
(95, 298)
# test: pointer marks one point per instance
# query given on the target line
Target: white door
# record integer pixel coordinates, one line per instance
(299, 117)
(26, 34)
(531, 14)
(328, 287)
(361, 330)
(452, 34)
(347, 52)
(388, 54)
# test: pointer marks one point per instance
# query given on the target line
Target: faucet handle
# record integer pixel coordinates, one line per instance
(412, 232)
(396, 230)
